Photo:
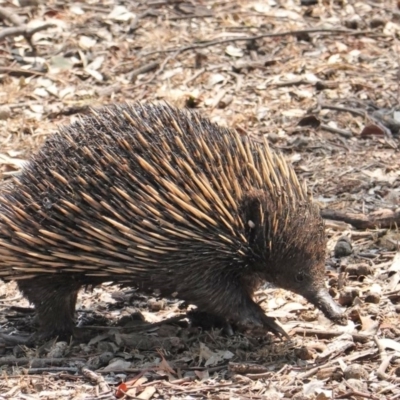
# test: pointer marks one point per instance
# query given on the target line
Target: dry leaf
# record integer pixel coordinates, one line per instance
(86, 42)
(390, 344)
(147, 393)
(117, 365)
(121, 13)
(372, 129)
(234, 51)
(214, 79)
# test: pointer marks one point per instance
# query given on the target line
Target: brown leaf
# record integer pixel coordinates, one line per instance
(372, 129)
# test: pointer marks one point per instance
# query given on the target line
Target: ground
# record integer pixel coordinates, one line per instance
(319, 79)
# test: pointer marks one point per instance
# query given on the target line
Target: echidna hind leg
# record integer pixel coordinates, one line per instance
(54, 298)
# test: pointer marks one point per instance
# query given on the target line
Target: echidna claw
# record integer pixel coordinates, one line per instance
(271, 324)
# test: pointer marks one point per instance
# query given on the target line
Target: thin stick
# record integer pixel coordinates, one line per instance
(209, 43)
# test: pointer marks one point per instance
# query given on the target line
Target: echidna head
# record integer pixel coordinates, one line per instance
(307, 279)
(288, 245)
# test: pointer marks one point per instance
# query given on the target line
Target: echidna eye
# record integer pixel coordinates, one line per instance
(300, 277)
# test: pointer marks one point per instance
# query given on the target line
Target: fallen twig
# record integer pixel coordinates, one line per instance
(354, 111)
(357, 337)
(176, 51)
(341, 132)
(387, 124)
(37, 371)
(385, 361)
(10, 16)
(143, 69)
(377, 219)
(209, 43)
(38, 362)
(18, 72)
(24, 31)
(97, 379)
(356, 393)
(20, 28)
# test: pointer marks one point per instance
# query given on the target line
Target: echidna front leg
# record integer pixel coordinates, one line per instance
(54, 298)
(249, 314)
(232, 302)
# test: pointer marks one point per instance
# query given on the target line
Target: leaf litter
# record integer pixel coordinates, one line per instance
(320, 81)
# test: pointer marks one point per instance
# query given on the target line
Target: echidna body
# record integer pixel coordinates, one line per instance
(166, 201)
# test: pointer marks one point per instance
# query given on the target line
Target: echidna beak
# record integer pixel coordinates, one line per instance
(323, 300)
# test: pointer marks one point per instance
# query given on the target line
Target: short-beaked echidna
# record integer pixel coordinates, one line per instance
(163, 200)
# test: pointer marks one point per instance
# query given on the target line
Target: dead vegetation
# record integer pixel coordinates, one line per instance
(320, 79)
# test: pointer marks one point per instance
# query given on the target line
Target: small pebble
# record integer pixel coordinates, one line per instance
(343, 247)
(305, 353)
(156, 305)
(355, 371)
(5, 112)
(308, 316)
(106, 357)
(308, 2)
(377, 22)
(105, 347)
(322, 85)
(58, 350)
(273, 137)
(352, 23)
(347, 296)
(373, 298)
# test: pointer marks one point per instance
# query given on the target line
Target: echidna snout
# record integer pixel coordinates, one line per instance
(323, 300)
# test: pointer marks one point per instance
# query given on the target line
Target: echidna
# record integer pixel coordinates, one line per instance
(163, 200)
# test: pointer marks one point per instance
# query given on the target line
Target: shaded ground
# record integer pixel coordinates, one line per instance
(243, 65)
